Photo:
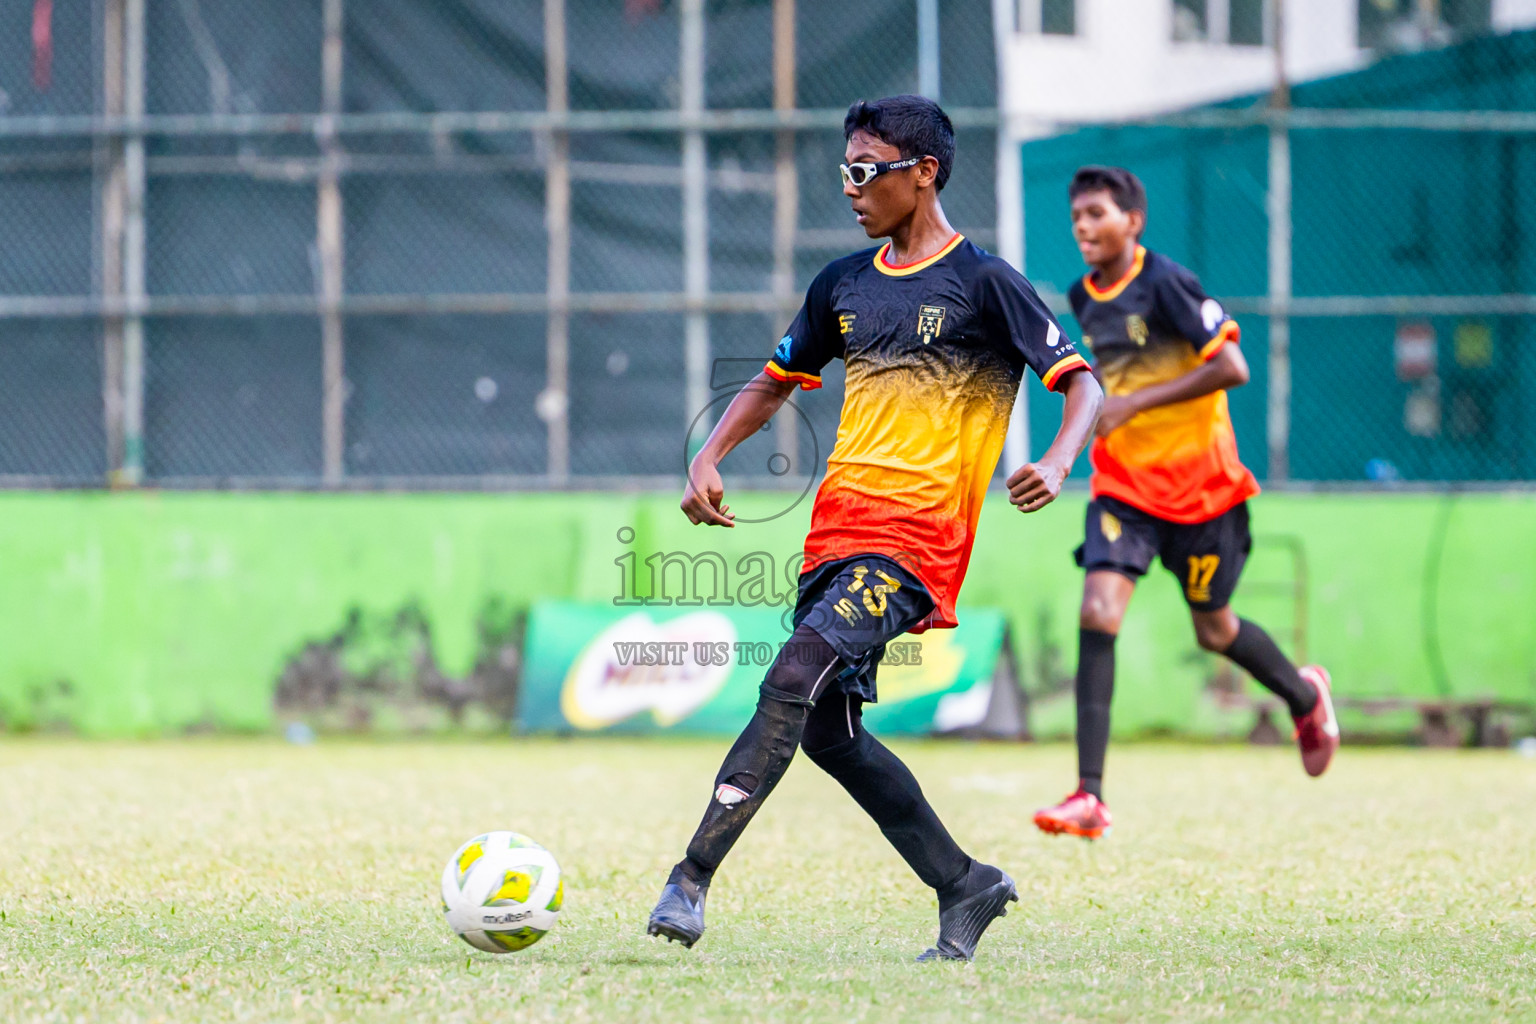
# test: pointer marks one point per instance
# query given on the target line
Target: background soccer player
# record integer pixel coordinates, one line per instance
(936, 335)
(1167, 482)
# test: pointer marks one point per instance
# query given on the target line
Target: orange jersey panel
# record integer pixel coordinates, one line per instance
(915, 452)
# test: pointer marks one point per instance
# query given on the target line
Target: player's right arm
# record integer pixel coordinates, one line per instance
(812, 341)
(1225, 369)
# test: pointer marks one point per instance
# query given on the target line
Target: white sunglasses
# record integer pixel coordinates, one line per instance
(859, 175)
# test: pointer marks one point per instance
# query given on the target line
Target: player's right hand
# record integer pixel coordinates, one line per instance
(703, 496)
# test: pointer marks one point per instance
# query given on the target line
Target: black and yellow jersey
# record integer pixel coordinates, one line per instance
(935, 351)
(1177, 462)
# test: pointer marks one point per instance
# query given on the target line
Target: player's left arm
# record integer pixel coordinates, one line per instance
(1035, 485)
(1184, 306)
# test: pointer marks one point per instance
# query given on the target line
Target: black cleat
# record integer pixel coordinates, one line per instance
(985, 898)
(678, 917)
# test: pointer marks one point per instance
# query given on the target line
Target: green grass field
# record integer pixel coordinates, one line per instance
(249, 880)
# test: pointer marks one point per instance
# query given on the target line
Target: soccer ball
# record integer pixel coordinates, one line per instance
(501, 892)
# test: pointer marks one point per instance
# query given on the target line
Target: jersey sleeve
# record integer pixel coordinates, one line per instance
(1194, 314)
(1026, 328)
(812, 340)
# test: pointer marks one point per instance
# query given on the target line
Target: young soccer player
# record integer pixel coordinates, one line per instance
(1167, 482)
(936, 335)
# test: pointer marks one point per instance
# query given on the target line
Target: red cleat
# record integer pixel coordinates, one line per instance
(1081, 814)
(1317, 732)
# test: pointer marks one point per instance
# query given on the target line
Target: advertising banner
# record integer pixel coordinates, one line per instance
(598, 668)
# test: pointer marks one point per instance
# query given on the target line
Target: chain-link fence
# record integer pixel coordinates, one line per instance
(1406, 293)
(533, 243)
(466, 244)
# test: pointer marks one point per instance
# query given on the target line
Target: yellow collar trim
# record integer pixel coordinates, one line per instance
(905, 269)
(1104, 295)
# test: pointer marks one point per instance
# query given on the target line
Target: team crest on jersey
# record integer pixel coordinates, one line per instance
(1136, 327)
(930, 319)
(845, 322)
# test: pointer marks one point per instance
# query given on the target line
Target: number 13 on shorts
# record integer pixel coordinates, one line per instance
(874, 596)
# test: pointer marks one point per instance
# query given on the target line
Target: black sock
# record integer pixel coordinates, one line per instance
(1254, 651)
(888, 793)
(978, 877)
(1095, 689)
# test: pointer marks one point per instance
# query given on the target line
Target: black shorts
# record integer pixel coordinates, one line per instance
(1207, 557)
(858, 605)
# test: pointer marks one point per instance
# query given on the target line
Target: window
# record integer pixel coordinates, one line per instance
(1376, 20)
(1233, 22)
(1416, 24)
(1048, 17)
(1245, 23)
(1058, 17)
(1467, 17)
(1189, 22)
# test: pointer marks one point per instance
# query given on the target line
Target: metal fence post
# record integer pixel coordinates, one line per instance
(113, 199)
(1010, 218)
(695, 219)
(786, 206)
(1278, 208)
(133, 247)
(330, 242)
(555, 401)
(928, 49)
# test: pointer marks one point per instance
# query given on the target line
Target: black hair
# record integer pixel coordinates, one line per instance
(915, 125)
(1123, 187)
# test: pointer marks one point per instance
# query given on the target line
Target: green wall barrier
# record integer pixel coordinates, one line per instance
(125, 614)
(139, 613)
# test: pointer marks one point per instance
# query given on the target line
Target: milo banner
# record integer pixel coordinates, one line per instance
(596, 668)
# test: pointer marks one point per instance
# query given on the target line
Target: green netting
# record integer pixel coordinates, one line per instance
(1375, 212)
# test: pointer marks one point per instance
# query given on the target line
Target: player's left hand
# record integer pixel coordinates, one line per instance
(1117, 412)
(1035, 485)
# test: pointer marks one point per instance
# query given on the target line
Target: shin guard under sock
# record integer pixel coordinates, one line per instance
(755, 764)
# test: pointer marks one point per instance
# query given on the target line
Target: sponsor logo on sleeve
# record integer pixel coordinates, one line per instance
(1212, 315)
